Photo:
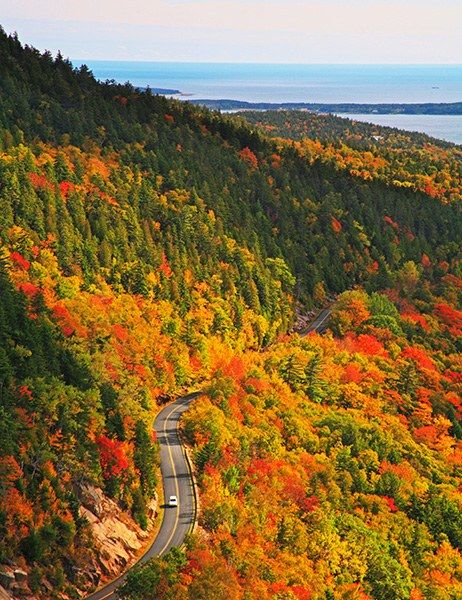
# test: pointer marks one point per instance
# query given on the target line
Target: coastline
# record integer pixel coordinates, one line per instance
(429, 108)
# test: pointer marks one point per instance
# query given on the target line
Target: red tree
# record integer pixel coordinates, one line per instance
(112, 457)
(249, 157)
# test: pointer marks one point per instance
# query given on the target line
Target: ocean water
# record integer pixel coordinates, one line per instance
(443, 127)
(303, 83)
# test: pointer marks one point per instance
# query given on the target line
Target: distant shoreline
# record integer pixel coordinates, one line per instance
(453, 108)
(161, 91)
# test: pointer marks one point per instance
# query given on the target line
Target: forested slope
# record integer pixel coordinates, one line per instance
(272, 204)
(330, 468)
(400, 158)
(144, 243)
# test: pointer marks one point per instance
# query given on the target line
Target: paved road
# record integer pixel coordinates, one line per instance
(320, 323)
(177, 480)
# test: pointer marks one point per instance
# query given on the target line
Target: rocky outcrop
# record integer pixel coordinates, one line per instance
(117, 542)
(117, 538)
(4, 595)
(13, 584)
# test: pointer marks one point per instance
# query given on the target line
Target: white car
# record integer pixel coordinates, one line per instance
(173, 501)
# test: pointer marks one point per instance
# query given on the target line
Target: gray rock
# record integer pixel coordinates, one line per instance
(7, 579)
(20, 575)
(92, 498)
(47, 585)
(22, 590)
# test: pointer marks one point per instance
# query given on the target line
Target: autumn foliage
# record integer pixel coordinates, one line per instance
(113, 458)
(149, 248)
(249, 157)
(283, 441)
(307, 457)
(402, 159)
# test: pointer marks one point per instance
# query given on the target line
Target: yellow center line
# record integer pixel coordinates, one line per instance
(176, 489)
(177, 514)
(326, 317)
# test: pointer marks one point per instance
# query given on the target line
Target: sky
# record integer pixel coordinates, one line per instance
(285, 31)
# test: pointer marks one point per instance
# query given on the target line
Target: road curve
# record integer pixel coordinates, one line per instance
(320, 323)
(177, 481)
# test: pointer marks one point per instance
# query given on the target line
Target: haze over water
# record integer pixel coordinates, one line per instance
(307, 83)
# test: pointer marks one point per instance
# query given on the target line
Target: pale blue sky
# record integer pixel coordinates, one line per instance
(303, 31)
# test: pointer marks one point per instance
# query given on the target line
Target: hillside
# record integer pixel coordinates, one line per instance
(269, 202)
(150, 247)
(352, 108)
(330, 468)
(399, 158)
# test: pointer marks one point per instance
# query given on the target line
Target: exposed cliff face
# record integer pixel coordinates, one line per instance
(13, 583)
(3, 594)
(117, 540)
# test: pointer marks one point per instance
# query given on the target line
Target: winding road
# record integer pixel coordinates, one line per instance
(320, 323)
(177, 479)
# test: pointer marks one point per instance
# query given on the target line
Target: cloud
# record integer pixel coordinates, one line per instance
(331, 17)
(253, 30)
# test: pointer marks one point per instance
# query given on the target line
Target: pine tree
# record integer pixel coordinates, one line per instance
(146, 459)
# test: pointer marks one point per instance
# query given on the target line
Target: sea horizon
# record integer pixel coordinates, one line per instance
(330, 83)
(231, 62)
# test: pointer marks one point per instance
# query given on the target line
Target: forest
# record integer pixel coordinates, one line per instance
(399, 158)
(409, 108)
(329, 467)
(150, 247)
